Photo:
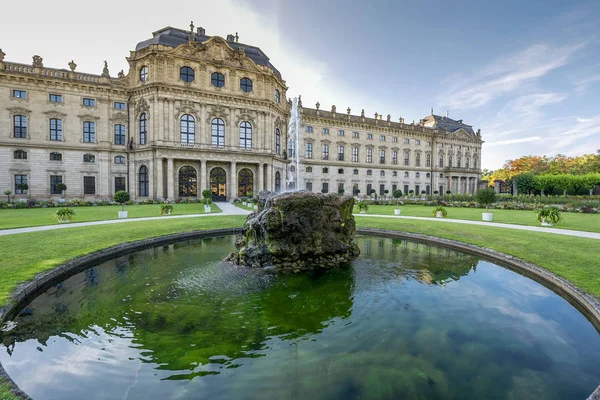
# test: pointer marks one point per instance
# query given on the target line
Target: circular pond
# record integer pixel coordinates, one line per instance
(405, 320)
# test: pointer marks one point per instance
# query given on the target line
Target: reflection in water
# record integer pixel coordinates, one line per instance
(405, 320)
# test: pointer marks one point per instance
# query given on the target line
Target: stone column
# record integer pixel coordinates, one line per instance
(160, 193)
(151, 178)
(260, 185)
(202, 127)
(515, 189)
(203, 185)
(170, 185)
(497, 185)
(232, 195)
(269, 177)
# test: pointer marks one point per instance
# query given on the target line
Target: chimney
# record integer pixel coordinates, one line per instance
(201, 31)
(230, 38)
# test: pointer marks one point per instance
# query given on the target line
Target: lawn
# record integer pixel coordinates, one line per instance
(575, 221)
(45, 216)
(6, 394)
(26, 254)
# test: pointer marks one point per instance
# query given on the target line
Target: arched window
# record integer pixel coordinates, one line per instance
(20, 126)
(441, 176)
(143, 128)
(381, 173)
(441, 160)
(475, 160)
(20, 155)
(369, 172)
(187, 74)
(458, 161)
(277, 96)
(277, 182)
(89, 132)
(450, 161)
(395, 173)
(428, 175)
(428, 160)
(218, 132)
(309, 169)
(245, 135)
(245, 182)
(119, 160)
(355, 171)
(119, 134)
(417, 175)
(467, 162)
(188, 182)
(277, 141)
(188, 129)
(418, 160)
(406, 175)
(217, 79)
(143, 181)
(406, 158)
(89, 158)
(246, 85)
(143, 74)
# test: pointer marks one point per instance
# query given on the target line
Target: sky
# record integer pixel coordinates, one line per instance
(527, 73)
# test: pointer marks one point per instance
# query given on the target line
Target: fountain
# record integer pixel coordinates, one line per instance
(297, 231)
(293, 169)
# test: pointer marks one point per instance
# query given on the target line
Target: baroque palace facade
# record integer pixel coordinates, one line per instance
(201, 112)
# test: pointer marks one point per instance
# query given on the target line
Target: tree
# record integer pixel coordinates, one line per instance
(485, 197)
(8, 192)
(590, 181)
(397, 194)
(525, 182)
(122, 197)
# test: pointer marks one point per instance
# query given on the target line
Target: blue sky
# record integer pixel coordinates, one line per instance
(527, 73)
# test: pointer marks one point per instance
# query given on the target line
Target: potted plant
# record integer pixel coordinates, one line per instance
(244, 201)
(440, 212)
(423, 194)
(7, 193)
(486, 197)
(448, 192)
(548, 215)
(61, 187)
(435, 192)
(397, 194)
(411, 193)
(357, 192)
(207, 195)
(64, 215)
(166, 209)
(363, 206)
(122, 197)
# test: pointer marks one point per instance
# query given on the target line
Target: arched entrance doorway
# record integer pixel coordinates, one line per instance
(188, 182)
(277, 182)
(218, 184)
(245, 182)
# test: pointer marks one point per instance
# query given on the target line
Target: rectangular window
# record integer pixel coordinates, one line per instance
(406, 159)
(340, 188)
(309, 150)
(417, 142)
(120, 106)
(417, 189)
(56, 129)
(428, 144)
(395, 139)
(20, 180)
(56, 98)
(340, 133)
(20, 126)
(406, 190)
(55, 156)
(19, 94)
(325, 170)
(308, 129)
(355, 154)
(369, 188)
(325, 152)
(89, 158)
(89, 102)
(369, 136)
(325, 131)
(394, 188)
(309, 186)
(55, 180)
(89, 185)
(120, 134)
(340, 153)
(381, 156)
(325, 187)
(119, 183)
(395, 157)
(381, 138)
(369, 155)
(381, 189)
(89, 132)
(441, 145)
(355, 134)
(406, 141)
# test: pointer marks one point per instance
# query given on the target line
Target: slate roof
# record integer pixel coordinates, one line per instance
(173, 37)
(448, 124)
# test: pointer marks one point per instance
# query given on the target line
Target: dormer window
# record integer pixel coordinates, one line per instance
(277, 96)
(187, 74)
(217, 79)
(144, 74)
(246, 85)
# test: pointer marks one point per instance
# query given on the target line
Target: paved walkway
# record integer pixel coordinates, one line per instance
(230, 209)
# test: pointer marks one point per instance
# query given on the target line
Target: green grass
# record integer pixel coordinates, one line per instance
(5, 393)
(24, 255)
(45, 216)
(575, 221)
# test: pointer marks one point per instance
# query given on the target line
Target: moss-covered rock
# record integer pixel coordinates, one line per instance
(298, 231)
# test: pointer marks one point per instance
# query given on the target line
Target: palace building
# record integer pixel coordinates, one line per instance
(202, 112)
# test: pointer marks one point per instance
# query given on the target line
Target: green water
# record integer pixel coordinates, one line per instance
(404, 321)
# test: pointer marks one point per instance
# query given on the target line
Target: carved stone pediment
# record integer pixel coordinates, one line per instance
(119, 117)
(461, 134)
(217, 111)
(18, 111)
(141, 106)
(88, 117)
(245, 115)
(55, 114)
(186, 107)
(279, 122)
(216, 51)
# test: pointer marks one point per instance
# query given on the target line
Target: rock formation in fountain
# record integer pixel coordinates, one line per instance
(298, 231)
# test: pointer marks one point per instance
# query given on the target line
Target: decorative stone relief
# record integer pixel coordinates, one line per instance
(38, 61)
(72, 66)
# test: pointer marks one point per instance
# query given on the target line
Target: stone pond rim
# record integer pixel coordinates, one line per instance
(296, 231)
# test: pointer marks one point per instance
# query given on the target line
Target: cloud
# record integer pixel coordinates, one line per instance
(583, 85)
(507, 75)
(514, 141)
(528, 107)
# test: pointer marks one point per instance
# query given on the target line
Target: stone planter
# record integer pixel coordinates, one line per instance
(439, 214)
(64, 221)
(545, 223)
(123, 214)
(397, 211)
(206, 209)
(487, 216)
(243, 203)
